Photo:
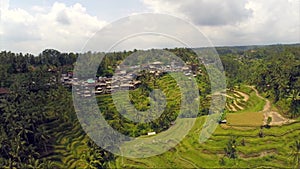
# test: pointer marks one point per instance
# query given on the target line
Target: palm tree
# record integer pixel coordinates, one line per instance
(295, 153)
(41, 137)
(230, 150)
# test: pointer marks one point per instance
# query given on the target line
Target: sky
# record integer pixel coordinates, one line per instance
(34, 25)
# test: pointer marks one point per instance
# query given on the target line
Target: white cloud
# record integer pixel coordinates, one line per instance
(147, 31)
(4, 4)
(236, 22)
(62, 27)
(204, 12)
(38, 9)
(230, 22)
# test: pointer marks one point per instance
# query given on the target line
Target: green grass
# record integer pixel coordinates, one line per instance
(70, 145)
(245, 89)
(245, 119)
(254, 104)
(144, 144)
(190, 153)
(250, 115)
(270, 151)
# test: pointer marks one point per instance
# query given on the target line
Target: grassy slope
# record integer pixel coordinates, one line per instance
(250, 115)
(272, 150)
(70, 146)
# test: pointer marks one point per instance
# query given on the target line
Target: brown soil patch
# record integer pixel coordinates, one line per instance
(242, 128)
(238, 106)
(258, 155)
(245, 96)
(277, 119)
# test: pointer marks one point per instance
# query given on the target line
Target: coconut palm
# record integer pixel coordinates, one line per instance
(295, 153)
(230, 150)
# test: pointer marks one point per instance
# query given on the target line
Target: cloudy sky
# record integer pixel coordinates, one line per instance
(34, 25)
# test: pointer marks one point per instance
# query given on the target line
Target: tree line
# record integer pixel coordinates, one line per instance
(38, 108)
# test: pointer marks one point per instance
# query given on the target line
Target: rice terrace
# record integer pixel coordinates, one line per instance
(259, 126)
(149, 84)
(255, 146)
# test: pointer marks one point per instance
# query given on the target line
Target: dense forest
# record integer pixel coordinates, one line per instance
(274, 70)
(39, 127)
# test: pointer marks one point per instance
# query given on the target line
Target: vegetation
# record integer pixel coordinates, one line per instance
(269, 120)
(256, 153)
(230, 150)
(295, 154)
(39, 127)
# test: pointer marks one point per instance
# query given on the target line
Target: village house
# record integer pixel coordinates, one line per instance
(4, 91)
(125, 79)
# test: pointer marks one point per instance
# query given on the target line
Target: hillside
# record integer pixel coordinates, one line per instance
(259, 126)
(250, 141)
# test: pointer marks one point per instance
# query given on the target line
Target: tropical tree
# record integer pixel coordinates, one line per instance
(295, 153)
(230, 150)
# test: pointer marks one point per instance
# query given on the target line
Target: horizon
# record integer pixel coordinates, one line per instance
(131, 50)
(31, 26)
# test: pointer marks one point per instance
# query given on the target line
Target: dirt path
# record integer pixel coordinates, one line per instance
(277, 119)
(258, 155)
(238, 106)
(226, 95)
(267, 106)
(238, 96)
(232, 108)
(246, 97)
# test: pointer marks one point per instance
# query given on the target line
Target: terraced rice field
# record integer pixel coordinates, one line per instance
(71, 145)
(256, 146)
(272, 150)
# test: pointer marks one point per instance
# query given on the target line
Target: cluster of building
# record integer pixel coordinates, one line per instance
(100, 85)
(4, 91)
(125, 77)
